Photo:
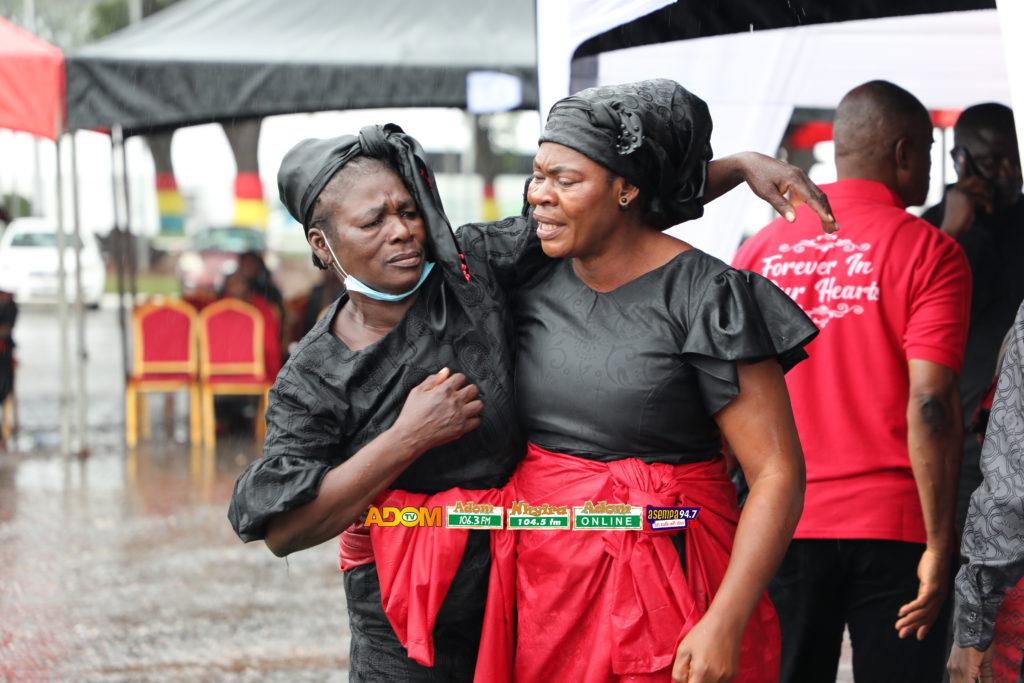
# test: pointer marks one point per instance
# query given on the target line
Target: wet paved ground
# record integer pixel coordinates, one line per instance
(123, 567)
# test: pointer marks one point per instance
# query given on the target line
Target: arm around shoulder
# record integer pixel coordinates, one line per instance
(771, 180)
(508, 250)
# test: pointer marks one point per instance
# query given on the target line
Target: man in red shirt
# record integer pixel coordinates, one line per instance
(876, 405)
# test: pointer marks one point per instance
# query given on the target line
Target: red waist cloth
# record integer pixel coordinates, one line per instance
(1008, 639)
(597, 606)
(416, 566)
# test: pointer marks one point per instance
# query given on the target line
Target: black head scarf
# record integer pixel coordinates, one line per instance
(655, 134)
(309, 166)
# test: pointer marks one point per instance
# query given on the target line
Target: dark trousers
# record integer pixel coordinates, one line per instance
(6, 369)
(826, 584)
(377, 656)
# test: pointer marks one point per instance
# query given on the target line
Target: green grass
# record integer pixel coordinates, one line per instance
(147, 283)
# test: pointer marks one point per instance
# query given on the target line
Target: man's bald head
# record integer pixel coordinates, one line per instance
(884, 133)
(871, 117)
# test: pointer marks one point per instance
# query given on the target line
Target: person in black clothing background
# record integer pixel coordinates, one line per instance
(8, 314)
(984, 212)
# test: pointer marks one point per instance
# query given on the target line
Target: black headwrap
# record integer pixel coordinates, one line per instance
(309, 166)
(655, 134)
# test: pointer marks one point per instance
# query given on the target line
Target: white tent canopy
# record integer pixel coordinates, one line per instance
(753, 81)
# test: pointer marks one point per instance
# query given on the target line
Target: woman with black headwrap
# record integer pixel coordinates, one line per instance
(636, 355)
(401, 395)
(370, 406)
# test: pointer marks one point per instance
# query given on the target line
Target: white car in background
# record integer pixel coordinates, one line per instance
(28, 263)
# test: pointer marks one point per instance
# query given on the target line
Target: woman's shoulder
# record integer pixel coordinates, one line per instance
(694, 272)
(710, 275)
(703, 264)
(318, 343)
(315, 379)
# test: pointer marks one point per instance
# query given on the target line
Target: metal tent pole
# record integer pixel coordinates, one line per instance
(80, 354)
(132, 243)
(62, 313)
(119, 249)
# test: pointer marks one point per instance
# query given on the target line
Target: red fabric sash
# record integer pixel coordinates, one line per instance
(605, 605)
(1008, 639)
(416, 566)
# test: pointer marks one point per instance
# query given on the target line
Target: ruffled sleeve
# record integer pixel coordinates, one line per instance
(302, 444)
(741, 316)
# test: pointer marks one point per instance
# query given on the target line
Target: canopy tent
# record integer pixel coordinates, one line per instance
(201, 61)
(753, 80)
(213, 60)
(31, 83)
(32, 101)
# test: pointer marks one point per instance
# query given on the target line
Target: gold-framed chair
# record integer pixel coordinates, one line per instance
(231, 348)
(165, 360)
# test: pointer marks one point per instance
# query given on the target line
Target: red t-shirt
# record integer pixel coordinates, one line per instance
(888, 287)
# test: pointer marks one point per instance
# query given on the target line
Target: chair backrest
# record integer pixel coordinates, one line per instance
(230, 339)
(164, 335)
(199, 300)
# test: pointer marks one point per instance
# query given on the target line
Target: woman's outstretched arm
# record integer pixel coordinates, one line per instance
(771, 180)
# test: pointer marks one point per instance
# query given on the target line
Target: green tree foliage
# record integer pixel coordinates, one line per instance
(63, 23)
(114, 15)
(14, 205)
(108, 16)
(69, 24)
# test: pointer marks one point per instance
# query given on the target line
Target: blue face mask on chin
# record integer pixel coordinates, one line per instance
(354, 285)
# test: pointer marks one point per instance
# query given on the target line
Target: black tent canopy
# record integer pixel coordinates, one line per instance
(214, 60)
(688, 20)
(755, 61)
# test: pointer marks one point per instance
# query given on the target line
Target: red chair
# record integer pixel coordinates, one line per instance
(231, 361)
(165, 360)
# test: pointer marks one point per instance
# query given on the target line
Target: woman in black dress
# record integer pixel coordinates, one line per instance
(636, 355)
(370, 406)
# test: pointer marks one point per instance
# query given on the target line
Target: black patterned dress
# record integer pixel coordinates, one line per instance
(617, 393)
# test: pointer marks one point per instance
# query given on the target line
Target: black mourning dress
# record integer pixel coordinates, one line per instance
(328, 402)
(640, 371)
(634, 373)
